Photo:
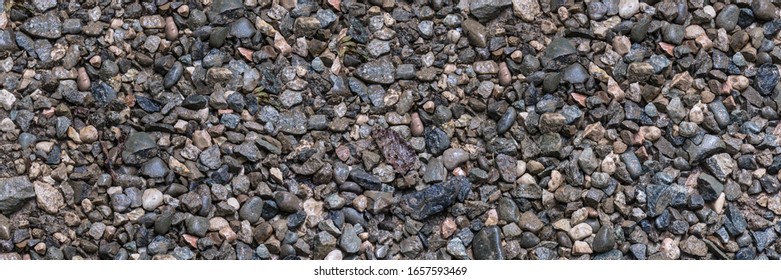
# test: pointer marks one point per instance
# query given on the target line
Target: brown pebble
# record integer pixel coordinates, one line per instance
(246, 53)
(96, 61)
(505, 78)
(171, 31)
(82, 80)
(416, 125)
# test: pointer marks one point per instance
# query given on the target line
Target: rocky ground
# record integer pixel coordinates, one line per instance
(390, 129)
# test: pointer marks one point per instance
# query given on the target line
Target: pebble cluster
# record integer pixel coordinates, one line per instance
(390, 129)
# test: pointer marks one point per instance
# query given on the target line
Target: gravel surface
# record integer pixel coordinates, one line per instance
(390, 129)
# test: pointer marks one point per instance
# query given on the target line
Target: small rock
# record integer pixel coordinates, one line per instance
(628, 8)
(377, 71)
(530, 222)
(454, 157)
(694, 246)
(580, 231)
(49, 198)
(527, 10)
(14, 192)
(47, 26)
(476, 33)
(435, 198)
(487, 9)
(487, 244)
(152, 199)
(604, 240)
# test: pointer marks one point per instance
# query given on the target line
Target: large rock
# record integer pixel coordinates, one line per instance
(527, 10)
(628, 8)
(365, 180)
(377, 71)
(728, 17)
(47, 26)
(485, 10)
(658, 198)
(223, 12)
(558, 54)
(436, 198)
(139, 146)
(487, 244)
(710, 187)
(49, 198)
(764, 9)
(766, 79)
(14, 192)
(7, 40)
(604, 240)
(476, 33)
(709, 146)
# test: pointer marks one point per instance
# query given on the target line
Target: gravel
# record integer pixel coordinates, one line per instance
(510, 129)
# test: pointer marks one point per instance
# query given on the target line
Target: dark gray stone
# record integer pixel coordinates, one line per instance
(658, 197)
(14, 192)
(767, 78)
(252, 210)
(728, 17)
(197, 226)
(379, 71)
(173, 76)
(604, 240)
(508, 119)
(710, 187)
(47, 26)
(485, 10)
(435, 198)
(735, 222)
(437, 140)
(365, 180)
(139, 146)
(155, 168)
(487, 244)
(709, 146)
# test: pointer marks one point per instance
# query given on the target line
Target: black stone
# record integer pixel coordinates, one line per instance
(766, 79)
(436, 198)
(487, 244)
(437, 140)
(365, 180)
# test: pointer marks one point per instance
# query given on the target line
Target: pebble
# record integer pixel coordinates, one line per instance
(580, 231)
(527, 10)
(152, 199)
(15, 192)
(377, 71)
(476, 33)
(49, 198)
(604, 240)
(728, 17)
(628, 8)
(487, 244)
(454, 157)
(530, 222)
(48, 26)
(390, 130)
